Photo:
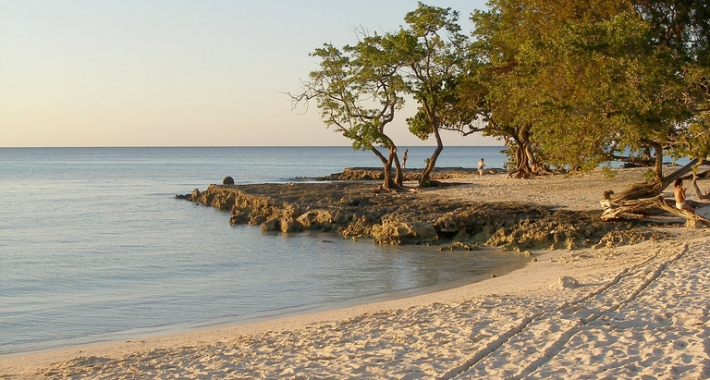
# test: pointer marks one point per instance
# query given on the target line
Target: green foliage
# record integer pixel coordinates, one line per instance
(563, 83)
(432, 50)
(357, 90)
(592, 79)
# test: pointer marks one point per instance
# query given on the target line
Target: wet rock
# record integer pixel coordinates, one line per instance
(395, 233)
(271, 225)
(228, 180)
(289, 225)
(316, 219)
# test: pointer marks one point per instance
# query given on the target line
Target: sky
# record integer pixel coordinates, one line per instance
(180, 73)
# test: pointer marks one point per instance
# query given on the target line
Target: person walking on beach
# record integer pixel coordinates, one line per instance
(481, 165)
(404, 159)
(681, 203)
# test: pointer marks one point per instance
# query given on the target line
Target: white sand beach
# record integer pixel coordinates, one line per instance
(631, 312)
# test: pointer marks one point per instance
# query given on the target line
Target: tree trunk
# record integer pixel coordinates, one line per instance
(425, 178)
(387, 182)
(523, 169)
(649, 190)
(526, 163)
(398, 176)
(697, 189)
(646, 206)
(658, 150)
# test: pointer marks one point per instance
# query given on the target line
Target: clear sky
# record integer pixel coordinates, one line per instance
(179, 73)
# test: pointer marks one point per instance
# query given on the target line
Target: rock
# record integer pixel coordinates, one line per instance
(315, 219)
(358, 226)
(448, 224)
(350, 201)
(288, 225)
(228, 181)
(355, 210)
(396, 233)
(239, 216)
(693, 223)
(425, 231)
(564, 282)
(260, 219)
(271, 225)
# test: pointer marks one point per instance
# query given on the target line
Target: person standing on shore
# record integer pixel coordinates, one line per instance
(404, 159)
(481, 165)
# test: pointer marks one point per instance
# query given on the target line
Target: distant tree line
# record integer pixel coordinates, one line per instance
(565, 84)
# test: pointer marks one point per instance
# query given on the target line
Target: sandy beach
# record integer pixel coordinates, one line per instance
(629, 312)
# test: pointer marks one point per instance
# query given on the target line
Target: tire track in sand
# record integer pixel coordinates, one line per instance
(611, 296)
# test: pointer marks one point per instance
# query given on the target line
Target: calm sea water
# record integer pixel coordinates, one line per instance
(94, 246)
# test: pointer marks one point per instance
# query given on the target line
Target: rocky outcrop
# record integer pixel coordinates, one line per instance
(377, 174)
(359, 210)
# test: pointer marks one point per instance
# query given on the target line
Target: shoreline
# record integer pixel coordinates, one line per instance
(450, 329)
(266, 316)
(19, 364)
(615, 312)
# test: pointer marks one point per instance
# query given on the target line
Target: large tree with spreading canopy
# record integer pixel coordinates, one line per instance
(577, 83)
(361, 87)
(432, 51)
(359, 90)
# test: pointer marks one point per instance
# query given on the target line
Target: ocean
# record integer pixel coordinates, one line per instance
(94, 247)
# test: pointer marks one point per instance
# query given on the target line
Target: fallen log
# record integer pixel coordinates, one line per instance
(613, 210)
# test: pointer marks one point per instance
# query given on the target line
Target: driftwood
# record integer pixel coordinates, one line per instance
(649, 190)
(645, 199)
(645, 206)
(697, 189)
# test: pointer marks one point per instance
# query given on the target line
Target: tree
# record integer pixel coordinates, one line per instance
(508, 78)
(358, 91)
(432, 54)
(582, 81)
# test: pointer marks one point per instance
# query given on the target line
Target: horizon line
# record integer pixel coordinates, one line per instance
(231, 146)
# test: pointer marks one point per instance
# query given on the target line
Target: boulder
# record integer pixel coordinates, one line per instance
(228, 181)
